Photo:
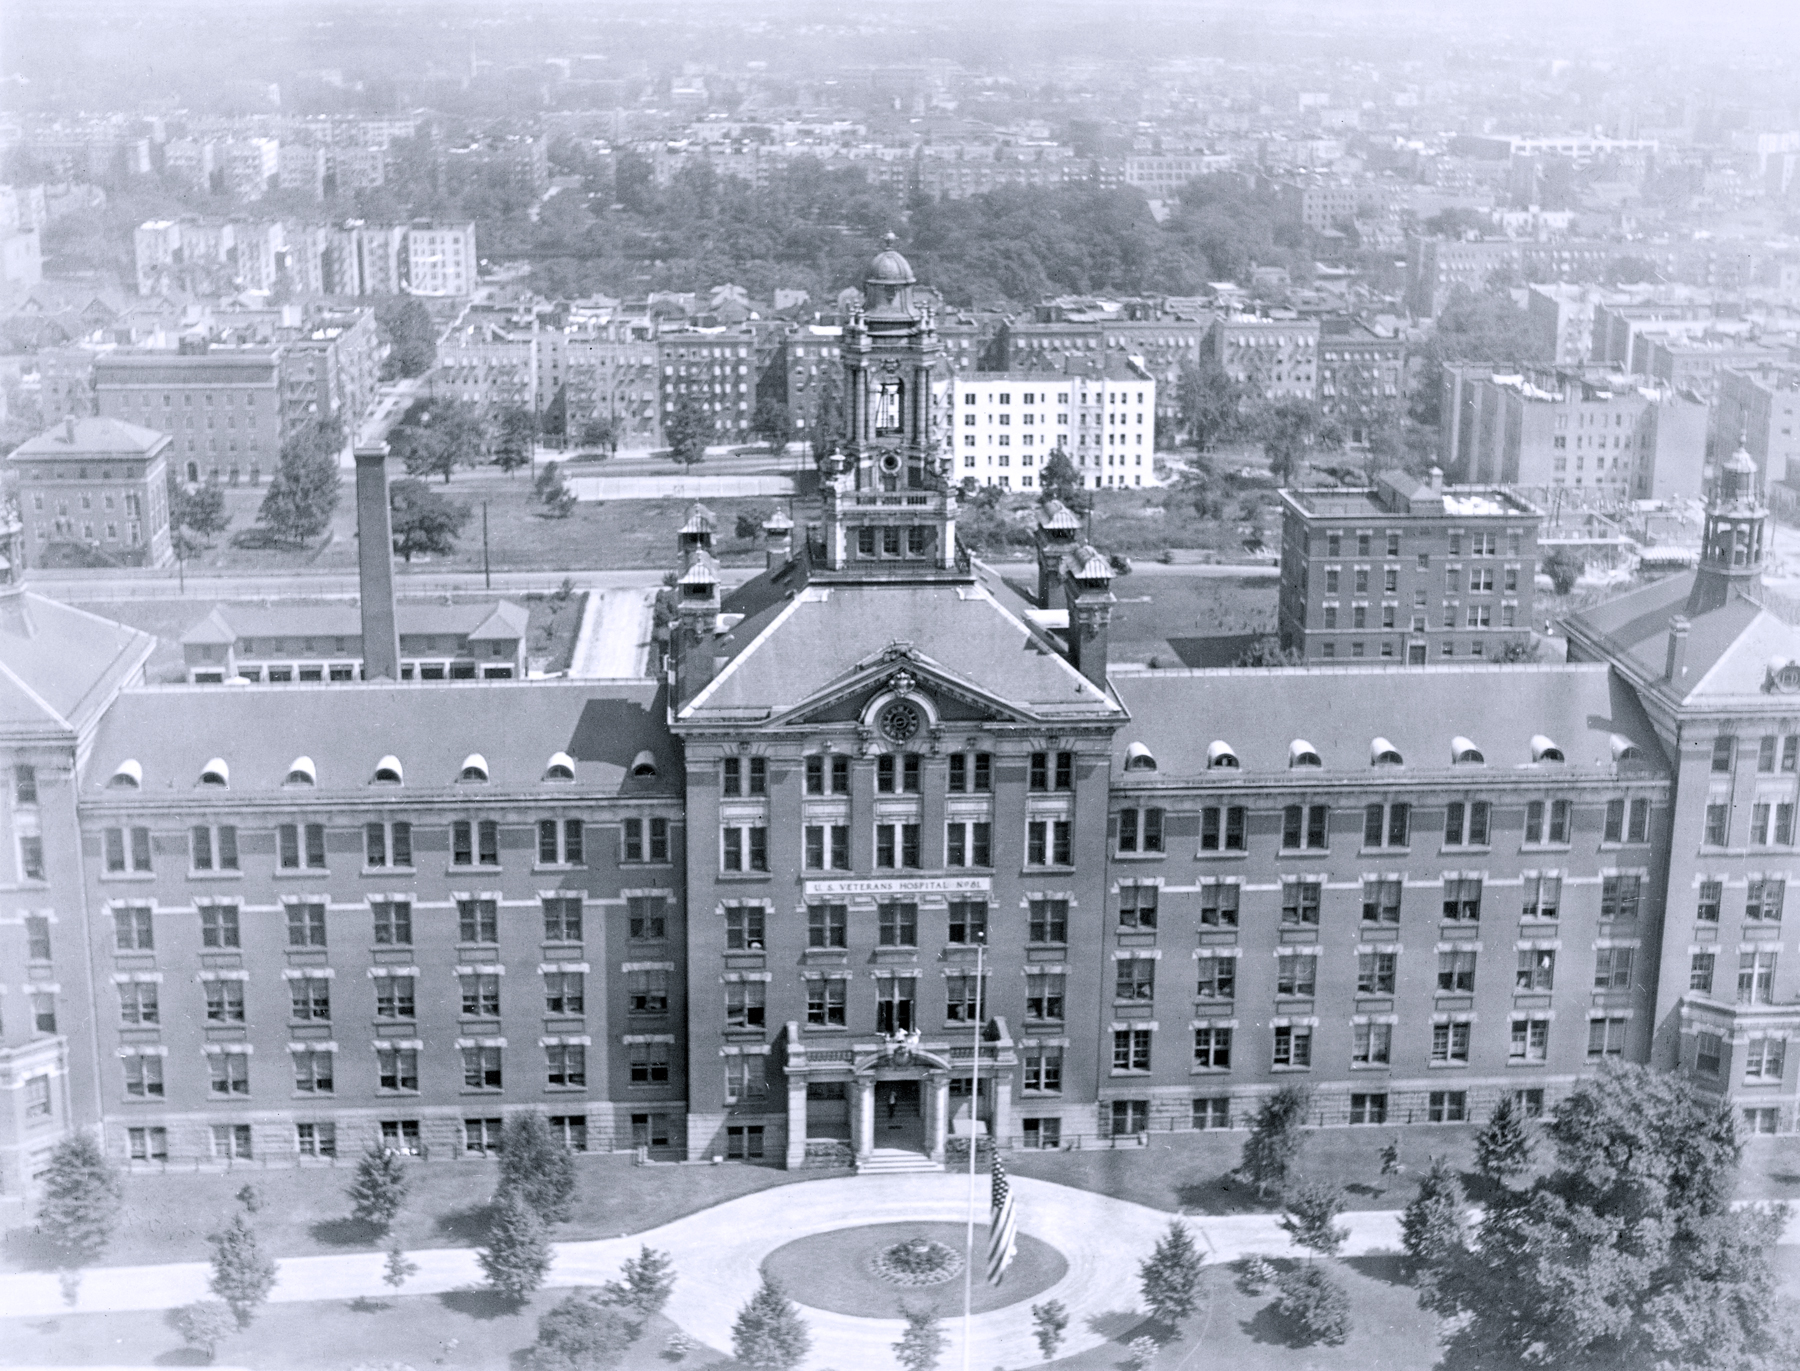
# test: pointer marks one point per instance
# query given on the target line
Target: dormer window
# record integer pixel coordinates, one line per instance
(388, 771)
(215, 772)
(1139, 758)
(1463, 752)
(1219, 754)
(474, 768)
(129, 776)
(301, 771)
(1303, 753)
(644, 764)
(1384, 753)
(560, 768)
(1624, 750)
(1544, 750)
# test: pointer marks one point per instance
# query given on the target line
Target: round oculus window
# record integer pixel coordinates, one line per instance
(900, 721)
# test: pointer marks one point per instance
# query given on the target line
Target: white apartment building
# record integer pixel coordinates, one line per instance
(1005, 425)
(441, 259)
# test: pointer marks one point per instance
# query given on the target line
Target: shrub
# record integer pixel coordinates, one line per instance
(1141, 1352)
(1256, 1274)
(645, 1282)
(1316, 1304)
(582, 1333)
(203, 1324)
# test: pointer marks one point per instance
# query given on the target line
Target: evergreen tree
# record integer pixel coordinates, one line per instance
(242, 1273)
(922, 1345)
(379, 1188)
(81, 1201)
(1390, 1159)
(1432, 1226)
(551, 491)
(1170, 1276)
(769, 1333)
(517, 1256)
(400, 1268)
(582, 1334)
(689, 428)
(422, 520)
(1049, 1325)
(645, 1282)
(1315, 1303)
(536, 1167)
(773, 424)
(1273, 1147)
(203, 1324)
(1503, 1148)
(1310, 1218)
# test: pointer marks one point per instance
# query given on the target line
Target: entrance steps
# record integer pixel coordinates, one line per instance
(888, 1161)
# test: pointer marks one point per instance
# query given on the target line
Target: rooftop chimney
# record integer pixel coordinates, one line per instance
(69, 430)
(778, 529)
(1676, 666)
(1087, 579)
(375, 566)
(1437, 478)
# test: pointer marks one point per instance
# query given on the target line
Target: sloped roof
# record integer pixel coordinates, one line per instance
(475, 619)
(1341, 710)
(92, 438)
(59, 664)
(1728, 648)
(348, 727)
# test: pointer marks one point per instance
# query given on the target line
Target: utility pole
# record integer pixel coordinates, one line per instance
(487, 578)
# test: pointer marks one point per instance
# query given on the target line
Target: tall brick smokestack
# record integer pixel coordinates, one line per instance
(375, 566)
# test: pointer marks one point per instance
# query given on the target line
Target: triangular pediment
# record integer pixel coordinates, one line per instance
(952, 699)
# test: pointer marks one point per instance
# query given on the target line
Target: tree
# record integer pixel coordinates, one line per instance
(1060, 479)
(517, 434)
(304, 491)
(536, 1167)
(1268, 651)
(748, 527)
(423, 520)
(602, 431)
(581, 1333)
(242, 1273)
(769, 1333)
(379, 1188)
(1289, 429)
(772, 423)
(645, 1282)
(82, 1198)
(434, 437)
(203, 1324)
(1432, 1226)
(1390, 1159)
(1273, 1146)
(1315, 1303)
(1310, 1215)
(1564, 567)
(1170, 1276)
(922, 1345)
(411, 336)
(1049, 1325)
(399, 1268)
(1628, 1253)
(195, 516)
(517, 1255)
(689, 429)
(1208, 401)
(1503, 1148)
(553, 493)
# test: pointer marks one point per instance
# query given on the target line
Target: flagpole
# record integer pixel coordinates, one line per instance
(974, 1116)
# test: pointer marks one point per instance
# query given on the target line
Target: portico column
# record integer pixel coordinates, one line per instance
(1000, 1127)
(939, 1113)
(796, 1122)
(862, 1117)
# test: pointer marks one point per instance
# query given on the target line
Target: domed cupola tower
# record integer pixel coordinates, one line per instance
(1731, 550)
(890, 348)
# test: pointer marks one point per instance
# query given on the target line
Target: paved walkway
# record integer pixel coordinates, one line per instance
(677, 486)
(614, 638)
(717, 1254)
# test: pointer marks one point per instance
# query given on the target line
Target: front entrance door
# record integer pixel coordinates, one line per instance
(899, 1115)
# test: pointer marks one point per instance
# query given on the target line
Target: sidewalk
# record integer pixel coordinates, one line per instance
(614, 638)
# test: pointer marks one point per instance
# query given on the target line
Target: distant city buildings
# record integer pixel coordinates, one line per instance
(93, 492)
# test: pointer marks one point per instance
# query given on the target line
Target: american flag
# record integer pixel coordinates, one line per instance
(1003, 1227)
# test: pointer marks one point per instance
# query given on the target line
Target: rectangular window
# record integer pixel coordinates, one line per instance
(745, 1004)
(1044, 1134)
(898, 923)
(1718, 819)
(1543, 897)
(200, 848)
(1614, 832)
(1381, 899)
(1722, 751)
(1371, 1044)
(125, 845)
(968, 922)
(25, 786)
(562, 917)
(480, 996)
(1764, 1058)
(1620, 896)
(397, 1070)
(375, 852)
(1222, 828)
(482, 1068)
(1462, 899)
(1450, 1042)
(1305, 826)
(1048, 843)
(565, 1065)
(1131, 1050)
(393, 922)
(1140, 830)
(395, 997)
(1130, 1117)
(746, 848)
(647, 992)
(37, 938)
(1368, 1108)
(1049, 922)
(478, 921)
(487, 842)
(144, 1077)
(964, 997)
(229, 1074)
(1536, 970)
(827, 925)
(1700, 972)
(1219, 904)
(650, 1063)
(743, 928)
(231, 1141)
(1456, 973)
(1756, 978)
(563, 992)
(1217, 978)
(1293, 1046)
(1135, 979)
(1763, 904)
(894, 1004)
(1375, 972)
(313, 1072)
(137, 1002)
(305, 924)
(462, 843)
(1606, 1037)
(219, 926)
(1044, 995)
(1296, 974)
(1212, 1049)
(1300, 902)
(825, 1003)
(315, 846)
(148, 1144)
(635, 849)
(1137, 905)
(1466, 824)
(1447, 1106)
(1712, 896)
(310, 999)
(224, 1001)
(315, 1139)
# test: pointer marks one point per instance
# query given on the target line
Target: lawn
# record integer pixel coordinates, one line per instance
(458, 1329)
(303, 1211)
(831, 1271)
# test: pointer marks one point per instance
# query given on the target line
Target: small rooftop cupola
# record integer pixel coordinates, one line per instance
(1087, 590)
(1731, 548)
(696, 535)
(778, 538)
(1055, 535)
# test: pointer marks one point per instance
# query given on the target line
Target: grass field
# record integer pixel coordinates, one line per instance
(831, 1271)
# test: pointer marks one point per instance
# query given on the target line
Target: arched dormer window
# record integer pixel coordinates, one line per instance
(561, 767)
(474, 768)
(1303, 753)
(1219, 754)
(1544, 750)
(1384, 753)
(1139, 758)
(388, 771)
(1624, 750)
(644, 764)
(1463, 752)
(215, 772)
(128, 776)
(301, 771)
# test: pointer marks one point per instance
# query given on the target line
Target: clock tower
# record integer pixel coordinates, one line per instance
(890, 349)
